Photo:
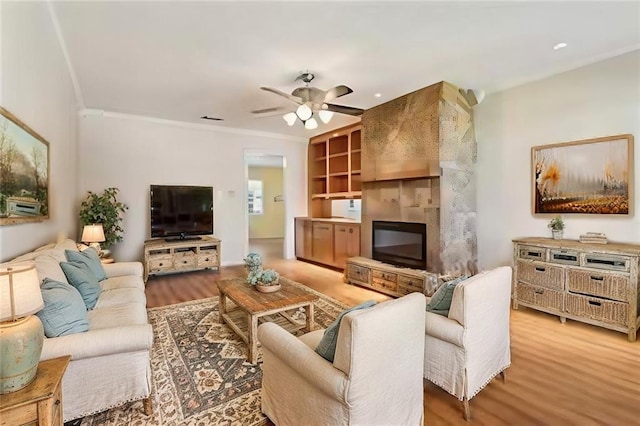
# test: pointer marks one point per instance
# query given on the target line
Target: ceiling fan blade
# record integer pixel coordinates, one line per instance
(284, 95)
(336, 92)
(267, 110)
(345, 109)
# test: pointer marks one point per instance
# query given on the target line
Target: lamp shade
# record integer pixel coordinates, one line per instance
(304, 112)
(290, 118)
(325, 115)
(20, 294)
(93, 234)
(310, 124)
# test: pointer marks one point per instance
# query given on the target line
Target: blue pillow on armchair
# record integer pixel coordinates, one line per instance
(327, 346)
(441, 300)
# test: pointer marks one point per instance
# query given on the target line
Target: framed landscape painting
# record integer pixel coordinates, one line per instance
(24, 172)
(593, 176)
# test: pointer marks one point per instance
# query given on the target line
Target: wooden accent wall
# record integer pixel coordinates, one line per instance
(418, 156)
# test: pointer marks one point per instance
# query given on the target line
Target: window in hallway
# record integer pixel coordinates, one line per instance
(255, 196)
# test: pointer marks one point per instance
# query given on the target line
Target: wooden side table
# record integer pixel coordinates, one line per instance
(40, 402)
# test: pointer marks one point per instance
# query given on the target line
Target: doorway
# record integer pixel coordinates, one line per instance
(266, 223)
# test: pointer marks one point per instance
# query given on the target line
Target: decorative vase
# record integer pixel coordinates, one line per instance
(267, 288)
(557, 234)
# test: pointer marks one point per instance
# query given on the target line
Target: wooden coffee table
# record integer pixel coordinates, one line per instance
(253, 307)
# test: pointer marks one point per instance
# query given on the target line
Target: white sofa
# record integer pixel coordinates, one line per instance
(110, 363)
(465, 350)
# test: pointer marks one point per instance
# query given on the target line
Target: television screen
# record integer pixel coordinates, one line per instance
(181, 211)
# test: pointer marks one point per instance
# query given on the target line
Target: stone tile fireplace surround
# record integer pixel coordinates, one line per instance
(418, 157)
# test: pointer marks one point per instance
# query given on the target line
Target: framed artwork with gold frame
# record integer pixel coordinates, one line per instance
(24, 172)
(591, 176)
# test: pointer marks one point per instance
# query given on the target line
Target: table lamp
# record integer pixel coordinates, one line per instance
(94, 235)
(21, 332)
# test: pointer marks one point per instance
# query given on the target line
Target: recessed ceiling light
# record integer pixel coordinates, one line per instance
(559, 46)
(335, 134)
(377, 95)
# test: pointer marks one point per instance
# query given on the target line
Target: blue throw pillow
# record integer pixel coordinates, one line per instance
(64, 310)
(80, 276)
(441, 300)
(90, 258)
(327, 346)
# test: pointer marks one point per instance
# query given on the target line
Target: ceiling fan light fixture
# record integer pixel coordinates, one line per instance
(290, 118)
(304, 112)
(325, 115)
(311, 124)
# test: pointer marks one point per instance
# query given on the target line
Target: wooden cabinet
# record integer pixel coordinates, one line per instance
(162, 256)
(322, 237)
(40, 402)
(326, 241)
(346, 243)
(389, 279)
(334, 168)
(593, 283)
(303, 238)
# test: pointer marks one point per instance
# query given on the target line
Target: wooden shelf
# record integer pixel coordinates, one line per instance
(334, 168)
(341, 154)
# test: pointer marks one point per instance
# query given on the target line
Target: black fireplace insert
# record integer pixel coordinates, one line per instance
(400, 243)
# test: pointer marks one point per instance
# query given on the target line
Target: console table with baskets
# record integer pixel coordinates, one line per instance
(592, 283)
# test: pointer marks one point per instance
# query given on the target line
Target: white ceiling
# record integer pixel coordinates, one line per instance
(182, 60)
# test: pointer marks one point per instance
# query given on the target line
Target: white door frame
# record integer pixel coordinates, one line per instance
(250, 152)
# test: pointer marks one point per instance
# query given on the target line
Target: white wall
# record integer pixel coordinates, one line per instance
(37, 89)
(131, 153)
(601, 99)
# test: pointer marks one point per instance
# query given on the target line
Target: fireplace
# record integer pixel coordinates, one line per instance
(400, 243)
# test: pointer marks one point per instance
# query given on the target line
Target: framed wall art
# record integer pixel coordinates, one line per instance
(593, 176)
(24, 172)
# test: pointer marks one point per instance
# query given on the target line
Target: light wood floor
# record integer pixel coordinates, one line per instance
(561, 374)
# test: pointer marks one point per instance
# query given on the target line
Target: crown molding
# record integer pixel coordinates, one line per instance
(208, 127)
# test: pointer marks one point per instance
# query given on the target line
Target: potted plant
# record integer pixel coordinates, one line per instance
(268, 282)
(557, 227)
(104, 209)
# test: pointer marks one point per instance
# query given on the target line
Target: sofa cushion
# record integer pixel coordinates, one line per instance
(120, 296)
(327, 346)
(81, 277)
(90, 258)
(64, 310)
(127, 281)
(441, 300)
(48, 266)
(117, 316)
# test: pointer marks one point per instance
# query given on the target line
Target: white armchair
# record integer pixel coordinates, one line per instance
(376, 376)
(466, 350)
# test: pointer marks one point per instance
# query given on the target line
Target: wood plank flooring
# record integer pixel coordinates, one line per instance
(561, 374)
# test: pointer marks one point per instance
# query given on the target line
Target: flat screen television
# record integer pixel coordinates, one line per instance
(181, 212)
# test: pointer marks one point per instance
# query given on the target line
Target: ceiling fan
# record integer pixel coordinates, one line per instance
(311, 101)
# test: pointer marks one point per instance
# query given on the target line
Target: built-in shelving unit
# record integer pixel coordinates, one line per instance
(334, 168)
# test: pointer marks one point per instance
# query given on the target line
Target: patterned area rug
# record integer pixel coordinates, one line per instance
(200, 373)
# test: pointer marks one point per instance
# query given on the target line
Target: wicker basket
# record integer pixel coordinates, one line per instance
(594, 308)
(611, 286)
(541, 274)
(540, 296)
